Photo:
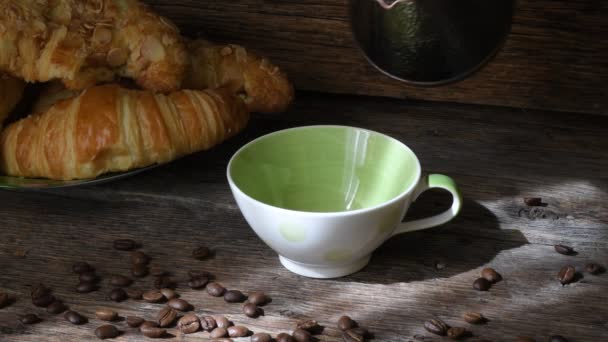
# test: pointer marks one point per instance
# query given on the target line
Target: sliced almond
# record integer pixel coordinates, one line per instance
(225, 51)
(169, 24)
(152, 49)
(102, 35)
(117, 57)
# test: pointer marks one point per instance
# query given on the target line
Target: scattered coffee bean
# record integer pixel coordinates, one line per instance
(301, 335)
(259, 298)
(218, 333)
(134, 293)
(200, 274)
(261, 337)
(166, 317)
(107, 331)
(474, 318)
(557, 338)
(456, 333)
(86, 287)
(158, 272)
(29, 319)
(75, 318)
(251, 310)
(168, 293)
(222, 322)
(285, 337)
(118, 295)
(594, 268)
(153, 296)
(223, 340)
(139, 270)
(82, 267)
(56, 307)
(188, 324)
(5, 300)
(106, 314)
(43, 301)
(524, 339)
(39, 290)
(125, 244)
(436, 326)
(352, 335)
(238, 331)
(234, 296)
(566, 275)
(309, 325)
(533, 201)
(120, 280)
(215, 289)
(152, 332)
(563, 249)
(134, 321)
(179, 304)
(88, 277)
(198, 283)
(491, 275)
(201, 253)
(148, 324)
(164, 282)
(208, 323)
(139, 258)
(345, 323)
(481, 284)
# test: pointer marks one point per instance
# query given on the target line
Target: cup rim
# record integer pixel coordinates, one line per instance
(395, 199)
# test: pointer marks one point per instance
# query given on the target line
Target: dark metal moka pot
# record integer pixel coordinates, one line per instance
(430, 42)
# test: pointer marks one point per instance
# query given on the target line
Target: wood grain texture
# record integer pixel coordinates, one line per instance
(555, 58)
(497, 157)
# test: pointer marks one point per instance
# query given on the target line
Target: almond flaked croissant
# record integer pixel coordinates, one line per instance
(108, 128)
(85, 42)
(11, 91)
(265, 88)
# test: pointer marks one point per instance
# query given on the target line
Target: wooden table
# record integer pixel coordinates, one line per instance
(497, 155)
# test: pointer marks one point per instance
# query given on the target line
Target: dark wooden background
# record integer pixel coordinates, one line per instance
(555, 58)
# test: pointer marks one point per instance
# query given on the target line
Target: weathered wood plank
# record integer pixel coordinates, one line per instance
(555, 58)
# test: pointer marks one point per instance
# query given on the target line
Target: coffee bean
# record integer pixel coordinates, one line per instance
(134, 321)
(474, 318)
(75, 318)
(120, 281)
(563, 249)
(200, 274)
(125, 244)
(223, 340)
(139, 270)
(139, 258)
(43, 301)
(5, 300)
(39, 290)
(82, 267)
(436, 326)
(88, 277)
(491, 275)
(148, 324)
(164, 282)
(251, 310)
(29, 319)
(188, 324)
(166, 317)
(524, 339)
(201, 253)
(238, 331)
(557, 338)
(86, 287)
(134, 293)
(533, 201)
(309, 325)
(345, 323)
(352, 335)
(259, 298)
(261, 337)
(153, 332)
(106, 314)
(56, 307)
(208, 323)
(234, 296)
(215, 289)
(198, 283)
(156, 271)
(285, 337)
(179, 304)
(481, 284)
(218, 332)
(107, 331)
(118, 295)
(168, 293)
(594, 268)
(222, 322)
(153, 296)
(457, 333)
(301, 335)
(566, 275)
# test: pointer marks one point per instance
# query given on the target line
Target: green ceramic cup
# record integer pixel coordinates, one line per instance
(325, 197)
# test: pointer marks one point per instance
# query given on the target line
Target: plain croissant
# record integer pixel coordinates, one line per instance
(11, 91)
(86, 42)
(109, 129)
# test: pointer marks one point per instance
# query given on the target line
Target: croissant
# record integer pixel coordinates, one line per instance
(11, 91)
(109, 129)
(85, 42)
(264, 87)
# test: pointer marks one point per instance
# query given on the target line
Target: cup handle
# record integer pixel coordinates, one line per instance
(429, 182)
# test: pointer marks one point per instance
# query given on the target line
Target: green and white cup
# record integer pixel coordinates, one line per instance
(325, 197)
